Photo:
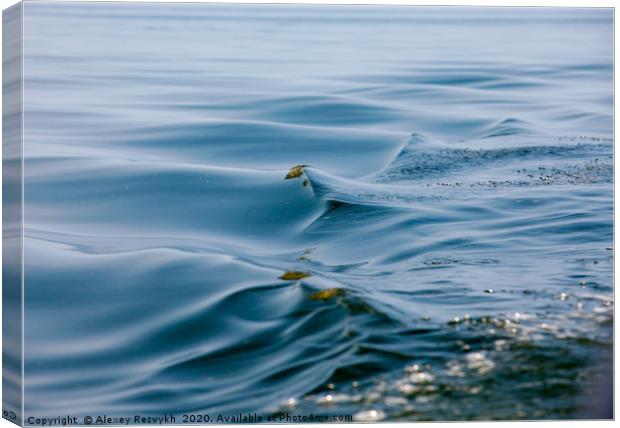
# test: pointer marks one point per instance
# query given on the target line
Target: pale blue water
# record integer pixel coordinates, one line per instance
(458, 198)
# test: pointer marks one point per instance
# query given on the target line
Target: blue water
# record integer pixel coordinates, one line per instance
(453, 225)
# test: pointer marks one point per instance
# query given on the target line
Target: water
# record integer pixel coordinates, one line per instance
(451, 232)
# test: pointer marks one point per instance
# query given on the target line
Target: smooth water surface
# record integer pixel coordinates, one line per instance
(453, 225)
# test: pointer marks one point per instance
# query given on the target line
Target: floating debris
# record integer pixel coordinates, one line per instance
(489, 290)
(369, 416)
(327, 294)
(294, 275)
(295, 172)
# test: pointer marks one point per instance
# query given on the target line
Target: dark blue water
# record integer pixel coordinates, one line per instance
(445, 254)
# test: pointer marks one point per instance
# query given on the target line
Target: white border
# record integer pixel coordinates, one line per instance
(558, 3)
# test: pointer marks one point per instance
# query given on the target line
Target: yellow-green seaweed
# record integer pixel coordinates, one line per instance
(295, 172)
(327, 294)
(294, 275)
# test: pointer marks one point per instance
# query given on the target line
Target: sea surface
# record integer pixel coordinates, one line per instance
(444, 253)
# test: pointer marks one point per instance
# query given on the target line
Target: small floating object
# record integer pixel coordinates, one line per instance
(327, 294)
(294, 275)
(295, 172)
(489, 290)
